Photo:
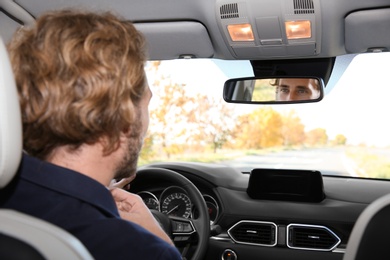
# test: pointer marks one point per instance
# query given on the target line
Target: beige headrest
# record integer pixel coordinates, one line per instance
(10, 121)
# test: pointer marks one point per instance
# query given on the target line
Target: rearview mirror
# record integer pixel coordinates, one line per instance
(275, 90)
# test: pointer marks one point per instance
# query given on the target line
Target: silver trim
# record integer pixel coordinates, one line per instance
(339, 251)
(230, 251)
(184, 233)
(312, 226)
(216, 206)
(255, 222)
(223, 239)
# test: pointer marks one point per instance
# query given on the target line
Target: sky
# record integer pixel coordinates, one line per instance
(356, 104)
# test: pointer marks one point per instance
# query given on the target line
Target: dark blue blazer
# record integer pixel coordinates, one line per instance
(83, 207)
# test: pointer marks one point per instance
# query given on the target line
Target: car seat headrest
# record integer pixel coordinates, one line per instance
(10, 121)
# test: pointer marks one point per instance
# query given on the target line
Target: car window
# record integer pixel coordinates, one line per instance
(344, 134)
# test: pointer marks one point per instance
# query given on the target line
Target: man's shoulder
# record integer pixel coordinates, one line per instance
(67, 186)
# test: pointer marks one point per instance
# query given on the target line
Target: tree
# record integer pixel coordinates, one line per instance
(260, 129)
(293, 131)
(316, 136)
(271, 129)
(211, 122)
(169, 117)
(340, 140)
(147, 151)
(169, 114)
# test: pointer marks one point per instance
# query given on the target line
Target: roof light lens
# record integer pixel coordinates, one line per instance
(241, 32)
(298, 29)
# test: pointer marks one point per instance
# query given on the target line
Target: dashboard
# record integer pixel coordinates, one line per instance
(272, 228)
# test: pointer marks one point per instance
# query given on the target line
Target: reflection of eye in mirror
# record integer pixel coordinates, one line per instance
(273, 90)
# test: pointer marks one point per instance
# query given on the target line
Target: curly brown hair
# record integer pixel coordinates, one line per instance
(80, 77)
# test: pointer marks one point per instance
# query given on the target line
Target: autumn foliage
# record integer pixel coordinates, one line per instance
(184, 123)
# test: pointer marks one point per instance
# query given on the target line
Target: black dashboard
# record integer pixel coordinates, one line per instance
(268, 228)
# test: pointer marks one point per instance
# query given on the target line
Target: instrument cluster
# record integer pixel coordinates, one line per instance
(174, 201)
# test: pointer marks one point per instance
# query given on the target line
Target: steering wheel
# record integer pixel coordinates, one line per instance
(194, 232)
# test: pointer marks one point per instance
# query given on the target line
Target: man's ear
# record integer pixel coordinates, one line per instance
(124, 135)
(108, 148)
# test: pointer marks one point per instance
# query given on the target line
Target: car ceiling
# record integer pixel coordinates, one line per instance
(188, 28)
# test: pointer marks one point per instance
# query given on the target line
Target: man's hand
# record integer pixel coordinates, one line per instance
(122, 184)
(132, 208)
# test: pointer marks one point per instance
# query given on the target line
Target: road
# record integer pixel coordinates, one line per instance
(326, 160)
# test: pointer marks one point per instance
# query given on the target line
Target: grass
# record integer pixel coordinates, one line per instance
(210, 156)
(371, 162)
(205, 157)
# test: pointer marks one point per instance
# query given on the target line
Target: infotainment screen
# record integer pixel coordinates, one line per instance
(289, 185)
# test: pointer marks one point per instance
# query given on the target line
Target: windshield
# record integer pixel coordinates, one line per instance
(344, 134)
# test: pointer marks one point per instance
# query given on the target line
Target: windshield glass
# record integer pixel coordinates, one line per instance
(344, 134)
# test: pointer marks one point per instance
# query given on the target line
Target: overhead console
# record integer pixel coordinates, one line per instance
(271, 29)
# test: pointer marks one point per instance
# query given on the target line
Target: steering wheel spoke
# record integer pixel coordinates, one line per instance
(182, 226)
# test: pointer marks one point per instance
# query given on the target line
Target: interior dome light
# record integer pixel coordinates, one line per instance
(241, 32)
(298, 29)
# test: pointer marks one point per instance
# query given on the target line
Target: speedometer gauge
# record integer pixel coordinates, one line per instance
(176, 203)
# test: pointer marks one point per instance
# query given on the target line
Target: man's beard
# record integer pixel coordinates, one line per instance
(128, 166)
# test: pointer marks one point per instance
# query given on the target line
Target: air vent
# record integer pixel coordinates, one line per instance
(229, 11)
(303, 7)
(254, 233)
(311, 237)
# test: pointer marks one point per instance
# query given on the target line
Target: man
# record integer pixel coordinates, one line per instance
(289, 89)
(84, 101)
